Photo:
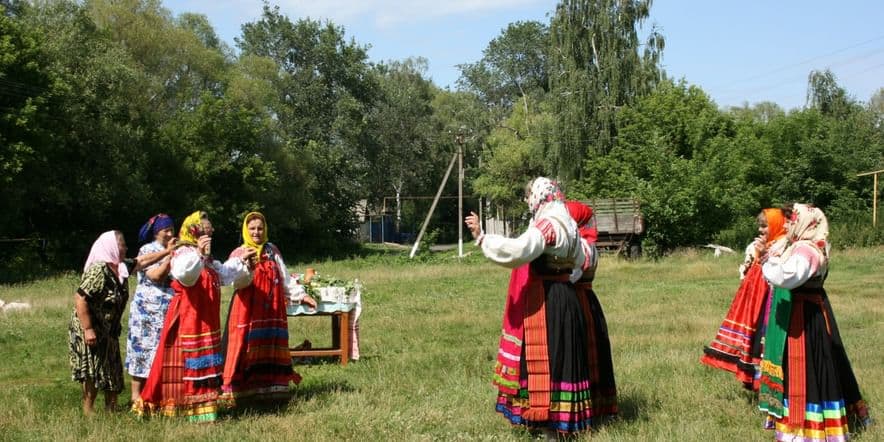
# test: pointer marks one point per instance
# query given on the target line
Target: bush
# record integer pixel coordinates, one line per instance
(855, 234)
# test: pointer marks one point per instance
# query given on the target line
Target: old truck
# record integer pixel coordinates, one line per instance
(620, 225)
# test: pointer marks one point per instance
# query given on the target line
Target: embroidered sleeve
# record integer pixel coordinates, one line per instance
(187, 264)
(547, 230)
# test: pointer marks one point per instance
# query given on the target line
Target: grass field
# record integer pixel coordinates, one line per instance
(429, 336)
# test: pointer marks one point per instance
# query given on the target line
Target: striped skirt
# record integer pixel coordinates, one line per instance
(569, 406)
(817, 372)
(185, 377)
(737, 346)
(258, 364)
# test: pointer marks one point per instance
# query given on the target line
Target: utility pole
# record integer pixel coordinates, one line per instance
(874, 194)
(432, 207)
(459, 140)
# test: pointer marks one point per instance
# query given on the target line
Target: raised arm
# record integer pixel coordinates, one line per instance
(236, 271)
(513, 252)
(143, 261)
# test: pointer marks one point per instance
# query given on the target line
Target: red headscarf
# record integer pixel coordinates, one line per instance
(776, 224)
(582, 214)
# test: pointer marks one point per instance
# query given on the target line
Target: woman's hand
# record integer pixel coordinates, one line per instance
(248, 257)
(171, 244)
(204, 245)
(309, 301)
(760, 246)
(472, 222)
(90, 337)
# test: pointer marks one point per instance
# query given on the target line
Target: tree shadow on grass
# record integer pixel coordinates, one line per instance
(633, 407)
(320, 391)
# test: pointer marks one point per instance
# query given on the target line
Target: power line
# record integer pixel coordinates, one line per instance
(814, 58)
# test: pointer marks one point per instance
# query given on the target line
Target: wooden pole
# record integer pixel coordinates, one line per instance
(420, 235)
(460, 196)
(875, 201)
(874, 194)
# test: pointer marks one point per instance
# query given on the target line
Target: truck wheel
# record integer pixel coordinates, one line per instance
(635, 251)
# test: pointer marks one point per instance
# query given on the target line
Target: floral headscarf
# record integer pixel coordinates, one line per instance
(247, 239)
(543, 191)
(808, 226)
(191, 229)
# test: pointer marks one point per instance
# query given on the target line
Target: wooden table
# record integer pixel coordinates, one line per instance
(340, 328)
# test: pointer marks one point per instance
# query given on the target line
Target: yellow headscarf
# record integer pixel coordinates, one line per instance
(247, 239)
(191, 229)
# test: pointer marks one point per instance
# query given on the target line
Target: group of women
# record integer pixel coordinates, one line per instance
(181, 361)
(554, 371)
(780, 337)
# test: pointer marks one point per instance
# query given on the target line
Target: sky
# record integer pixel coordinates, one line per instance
(738, 51)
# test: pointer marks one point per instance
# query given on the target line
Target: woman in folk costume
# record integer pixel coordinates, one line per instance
(543, 374)
(257, 362)
(185, 378)
(808, 389)
(737, 346)
(152, 296)
(95, 328)
(602, 386)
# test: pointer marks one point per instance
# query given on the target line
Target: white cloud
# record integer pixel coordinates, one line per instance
(386, 13)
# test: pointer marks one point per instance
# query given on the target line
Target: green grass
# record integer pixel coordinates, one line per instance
(429, 337)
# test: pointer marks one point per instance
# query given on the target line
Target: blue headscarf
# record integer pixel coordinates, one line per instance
(154, 225)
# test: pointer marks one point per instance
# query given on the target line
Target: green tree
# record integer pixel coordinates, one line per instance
(512, 68)
(597, 65)
(402, 126)
(323, 93)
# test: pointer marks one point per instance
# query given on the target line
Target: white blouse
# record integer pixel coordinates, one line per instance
(793, 272)
(553, 232)
(187, 264)
(293, 290)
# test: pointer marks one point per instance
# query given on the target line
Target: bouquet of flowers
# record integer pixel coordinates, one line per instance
(328, 289)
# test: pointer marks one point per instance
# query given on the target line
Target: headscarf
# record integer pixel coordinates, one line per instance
(154, 225)
(106, 249)
(809, 226)
(543, 191)
(247, 239)
(191, 229)
(582, 214)
(776, 224)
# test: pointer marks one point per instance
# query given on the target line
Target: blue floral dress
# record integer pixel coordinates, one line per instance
(146, 316)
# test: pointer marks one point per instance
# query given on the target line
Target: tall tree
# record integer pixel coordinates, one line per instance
(825, 95)
(597, 65)
(324, 91)
(402, 127)
(513, 67)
